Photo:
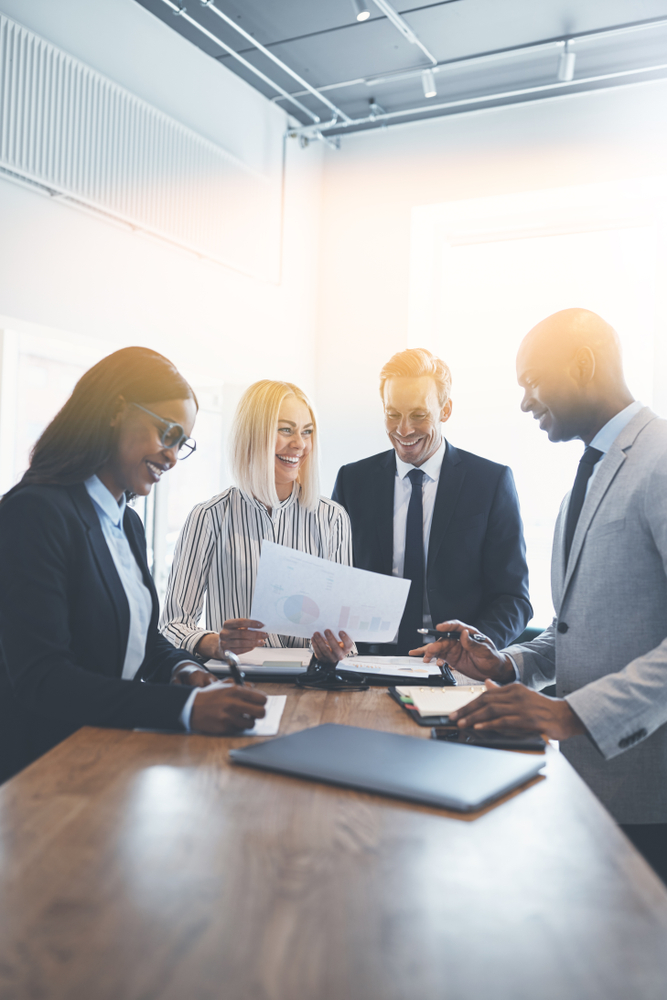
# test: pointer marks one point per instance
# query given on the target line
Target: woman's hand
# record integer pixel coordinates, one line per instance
(224, 709)
(329, 649)
(193, 675)
(472, 654)
(239, 635)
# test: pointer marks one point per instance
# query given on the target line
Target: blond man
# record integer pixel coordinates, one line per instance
(444, 518)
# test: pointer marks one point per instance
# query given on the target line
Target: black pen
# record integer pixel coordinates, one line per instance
(437, 636)
(233, 662)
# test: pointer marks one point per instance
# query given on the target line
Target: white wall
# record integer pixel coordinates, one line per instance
(375, 180)
(62, 268)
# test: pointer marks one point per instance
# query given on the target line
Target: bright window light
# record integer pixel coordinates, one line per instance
(480, 298)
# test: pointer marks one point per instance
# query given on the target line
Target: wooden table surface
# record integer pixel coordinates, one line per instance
(137, 866)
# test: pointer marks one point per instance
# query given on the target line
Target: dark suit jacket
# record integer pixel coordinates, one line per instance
(476, 566)
(64, 623)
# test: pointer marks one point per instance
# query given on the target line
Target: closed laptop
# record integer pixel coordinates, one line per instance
(448, 775)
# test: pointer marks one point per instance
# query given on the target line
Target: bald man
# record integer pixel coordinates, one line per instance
(606, 649)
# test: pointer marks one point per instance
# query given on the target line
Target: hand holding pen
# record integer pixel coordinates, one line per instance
(468, 651)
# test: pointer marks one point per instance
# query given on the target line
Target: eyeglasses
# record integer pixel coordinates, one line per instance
(172, 436)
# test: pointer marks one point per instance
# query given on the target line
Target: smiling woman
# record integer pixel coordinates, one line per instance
(78, 609)
(274, 458)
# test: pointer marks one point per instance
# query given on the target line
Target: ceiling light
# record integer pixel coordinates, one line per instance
(566, 64)
(428, 83)
(361, 10)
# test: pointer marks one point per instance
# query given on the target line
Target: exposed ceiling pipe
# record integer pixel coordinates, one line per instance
(283, 66)
(402, 25)
(488, 57)
(180, 10)
(392, 116)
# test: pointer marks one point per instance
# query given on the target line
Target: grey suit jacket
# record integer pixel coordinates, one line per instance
(607, 646)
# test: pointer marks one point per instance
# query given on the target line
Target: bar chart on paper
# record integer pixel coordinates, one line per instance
(299, 594)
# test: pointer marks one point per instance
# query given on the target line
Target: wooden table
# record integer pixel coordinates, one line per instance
(138, 866)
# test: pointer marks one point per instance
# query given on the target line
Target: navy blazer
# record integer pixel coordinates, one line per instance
(64, 625)
(476, 567)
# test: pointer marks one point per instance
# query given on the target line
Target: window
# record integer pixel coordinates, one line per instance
(485, 271)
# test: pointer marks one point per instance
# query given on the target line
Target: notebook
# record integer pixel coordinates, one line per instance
(435, 773)
(430, 701)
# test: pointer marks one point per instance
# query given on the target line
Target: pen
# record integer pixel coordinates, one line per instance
(233, 662)
(437, 636)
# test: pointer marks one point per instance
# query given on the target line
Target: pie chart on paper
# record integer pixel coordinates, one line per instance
(300, 609)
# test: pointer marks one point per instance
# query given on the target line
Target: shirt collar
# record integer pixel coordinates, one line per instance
(606, 436)
(291, 499)
(430, 468)
(105, 500)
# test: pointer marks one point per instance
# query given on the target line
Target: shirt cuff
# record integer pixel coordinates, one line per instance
(517, 675)
(186, 711)
(180, 664)
(190, 641)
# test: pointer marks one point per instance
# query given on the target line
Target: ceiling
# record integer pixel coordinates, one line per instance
(483, 53)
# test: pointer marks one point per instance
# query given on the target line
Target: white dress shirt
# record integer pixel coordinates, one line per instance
(110, 513)
(402, 493)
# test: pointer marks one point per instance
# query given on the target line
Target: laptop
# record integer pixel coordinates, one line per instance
(449, 775)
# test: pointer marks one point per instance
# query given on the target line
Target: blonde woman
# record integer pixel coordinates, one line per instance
(274, 463)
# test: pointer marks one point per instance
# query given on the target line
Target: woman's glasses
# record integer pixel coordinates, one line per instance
(172, 435)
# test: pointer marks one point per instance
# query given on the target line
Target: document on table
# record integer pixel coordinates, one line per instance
(392, 666)
(441, 700)
(299, 594)
(270, 724)
(268, 660)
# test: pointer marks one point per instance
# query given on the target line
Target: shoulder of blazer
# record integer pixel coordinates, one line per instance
(367, 466)
(68, 501)
(645, 426)
(456, 456)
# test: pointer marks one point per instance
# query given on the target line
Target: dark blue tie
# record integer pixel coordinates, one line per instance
(413, 567)
(587, 463)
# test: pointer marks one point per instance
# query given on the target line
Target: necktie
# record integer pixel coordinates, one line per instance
(584, 472)
(413, 567)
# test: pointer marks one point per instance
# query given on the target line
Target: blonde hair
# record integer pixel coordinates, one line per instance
(253, 444)
(416, 362)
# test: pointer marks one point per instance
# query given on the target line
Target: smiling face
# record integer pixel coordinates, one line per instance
(140, 458)
(294, 443)
(412, 417)
(551, 391)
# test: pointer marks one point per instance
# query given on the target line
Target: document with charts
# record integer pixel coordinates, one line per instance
(299, 594)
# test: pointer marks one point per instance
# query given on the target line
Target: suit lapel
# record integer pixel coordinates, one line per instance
(104, 562)
(607, 472)
(450, 482)
(605, 475)
(383, 507)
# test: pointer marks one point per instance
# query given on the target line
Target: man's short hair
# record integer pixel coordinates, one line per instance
(414, 363)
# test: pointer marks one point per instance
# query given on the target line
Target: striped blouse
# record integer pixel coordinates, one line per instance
(217, 556)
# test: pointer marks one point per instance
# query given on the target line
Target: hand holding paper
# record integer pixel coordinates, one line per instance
(299, 594)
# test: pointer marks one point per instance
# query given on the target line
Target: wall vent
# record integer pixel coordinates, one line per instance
(74, 133)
